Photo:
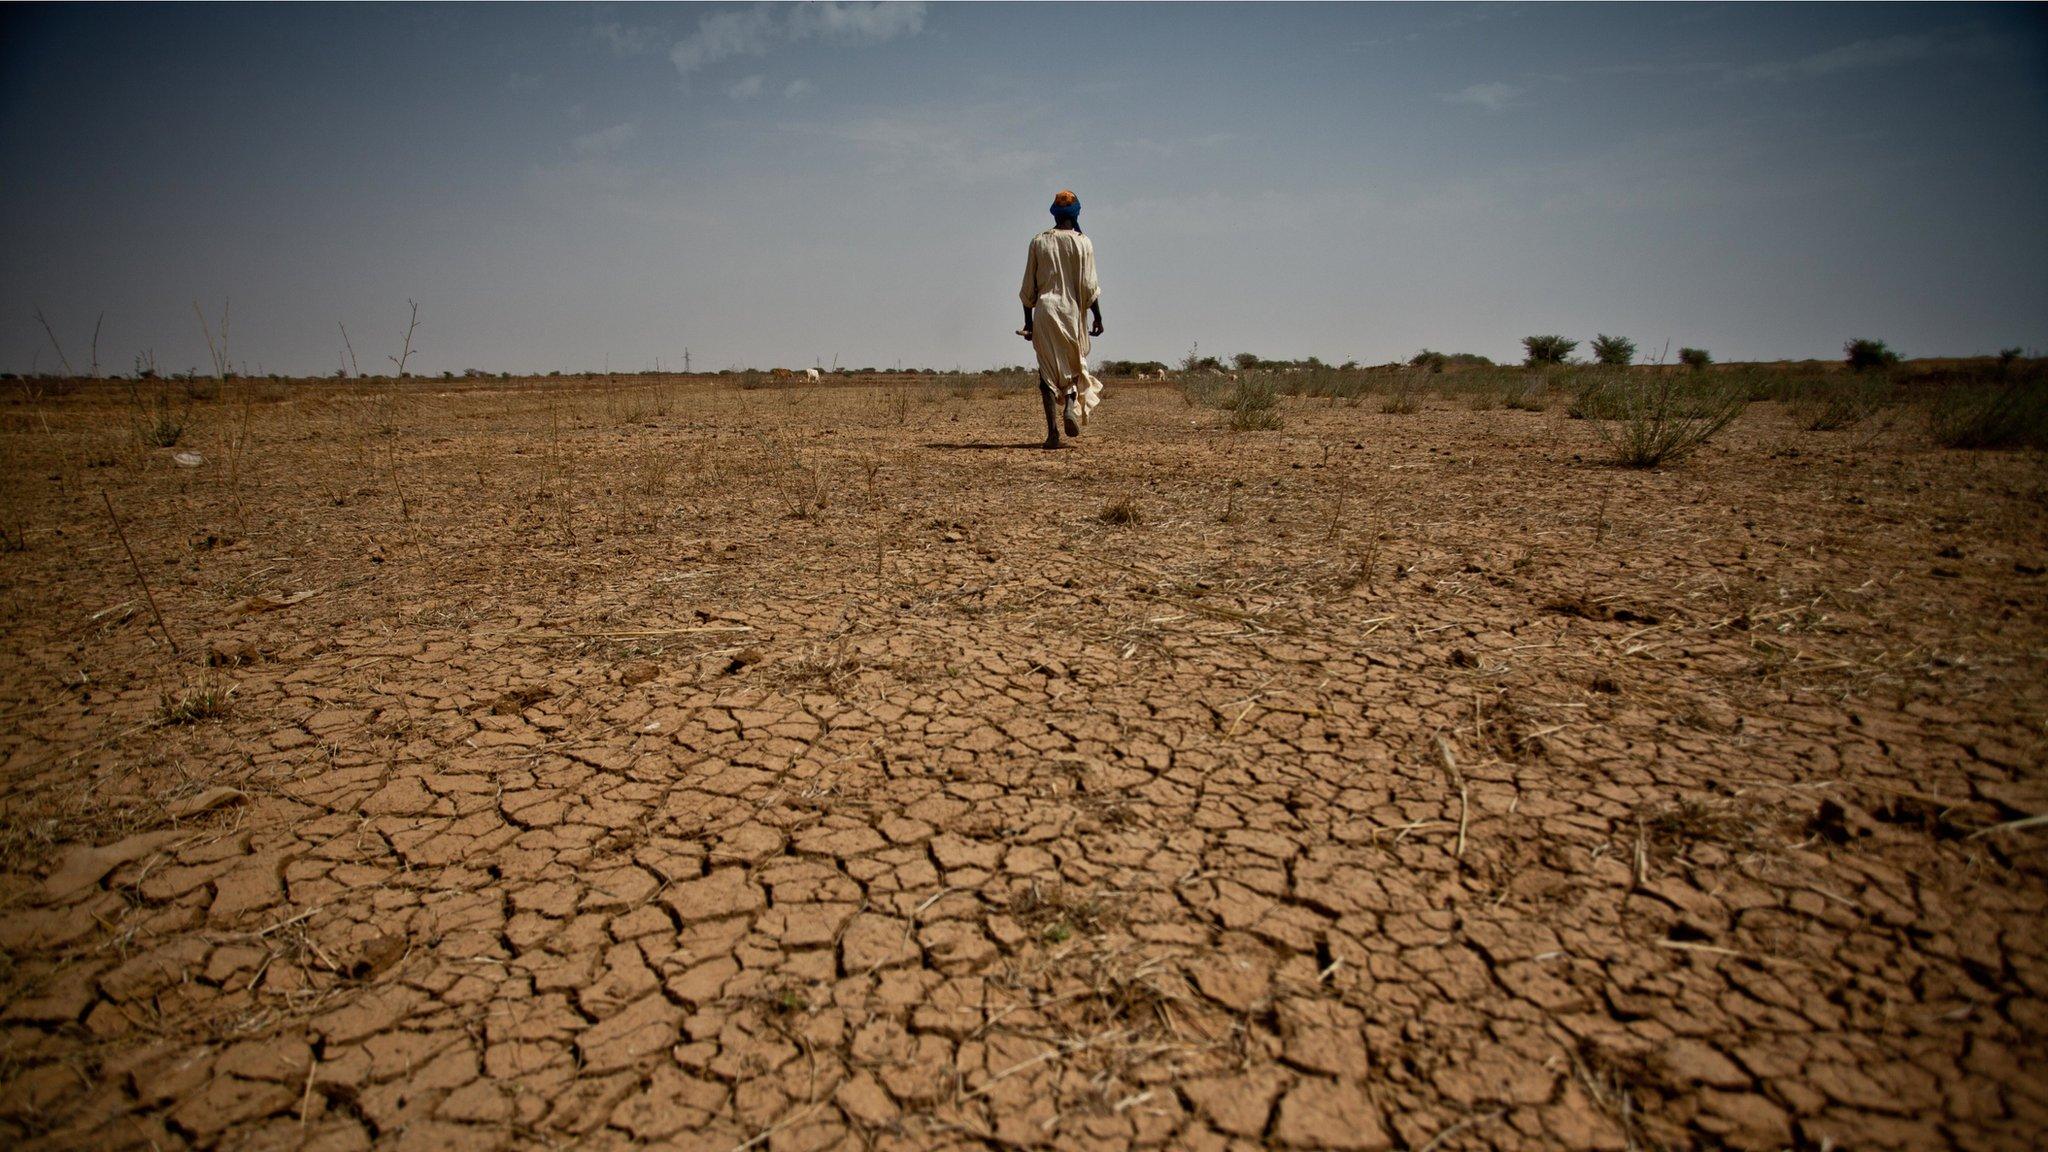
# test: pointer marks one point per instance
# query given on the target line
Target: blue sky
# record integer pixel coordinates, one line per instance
(564, 186)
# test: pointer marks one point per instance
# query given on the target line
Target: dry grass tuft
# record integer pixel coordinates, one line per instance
(203, 700)
(1056, 912)
(1122, 511)
(1679, 825)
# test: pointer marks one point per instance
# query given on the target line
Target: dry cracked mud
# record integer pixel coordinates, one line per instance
(823, 768)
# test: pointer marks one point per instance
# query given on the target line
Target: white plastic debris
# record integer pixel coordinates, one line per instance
(188, 459)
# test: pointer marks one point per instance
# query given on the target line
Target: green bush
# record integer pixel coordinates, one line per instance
(1866, 355)
(1614, 351)
(1696, 359)
(1547, 349)
(1434, 361)
(1658, 419)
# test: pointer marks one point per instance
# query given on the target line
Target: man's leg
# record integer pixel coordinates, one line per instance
(1070, 411)
(1052, 422)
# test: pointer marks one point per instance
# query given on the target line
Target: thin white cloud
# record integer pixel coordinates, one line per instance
(798, 89)
(1847, 58)
(857, 23)
(950, 145)
(756, 31)
(522, 82)
(1148, 146)
(1492, 97)
(1967, 42)
(624, 39)
(605, 140)
(745, 89)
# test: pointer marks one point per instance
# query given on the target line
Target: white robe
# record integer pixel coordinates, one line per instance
(1059, 285)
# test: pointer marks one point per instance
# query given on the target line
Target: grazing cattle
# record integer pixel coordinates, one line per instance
(811, 374)
(780, 373)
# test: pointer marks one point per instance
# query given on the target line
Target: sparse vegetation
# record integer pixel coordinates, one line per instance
(1829, 404)
(160, 419)
(1661, 419)
(2011, 415)
(1525, 395)
(1431, 361)
(1400, 399)
(1697, 359)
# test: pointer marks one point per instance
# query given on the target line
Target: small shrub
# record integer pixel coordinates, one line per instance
(159, 420)
(1200, 391)
(1696, 359)
(1434, 361)
(1547, 349)
(1400, 399)
(1868, 355)
(1253, 405)
(2012, 416)
(1346, 384)
(1594, 399)
(1663, 419)
(1526, 396)
(2007, 357)
(1826, 405)
(1614, 351)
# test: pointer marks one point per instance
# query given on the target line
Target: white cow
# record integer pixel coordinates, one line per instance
(811, 374)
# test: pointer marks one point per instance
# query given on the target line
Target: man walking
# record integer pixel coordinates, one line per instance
(1059, 288)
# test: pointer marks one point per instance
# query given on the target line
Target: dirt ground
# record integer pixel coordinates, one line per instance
(803, 769)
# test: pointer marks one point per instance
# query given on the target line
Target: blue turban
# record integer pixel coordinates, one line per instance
(1067, 212)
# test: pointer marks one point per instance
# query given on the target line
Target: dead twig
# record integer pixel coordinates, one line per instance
(2011, 826)
(1457, 778)
(139, 578)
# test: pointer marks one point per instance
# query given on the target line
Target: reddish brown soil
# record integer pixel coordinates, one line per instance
(823, 769)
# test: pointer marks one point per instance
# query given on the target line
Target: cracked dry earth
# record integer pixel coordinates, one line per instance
(822, 769)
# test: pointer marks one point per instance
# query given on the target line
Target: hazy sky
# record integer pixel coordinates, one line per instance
(778, 185)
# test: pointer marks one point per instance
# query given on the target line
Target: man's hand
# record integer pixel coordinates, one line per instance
(1095, 329)
(1025, 331)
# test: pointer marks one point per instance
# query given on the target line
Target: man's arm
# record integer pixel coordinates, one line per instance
(1029, 293)
(1096, 328)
